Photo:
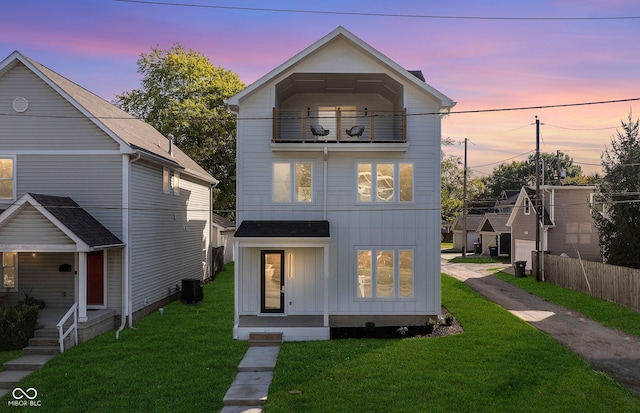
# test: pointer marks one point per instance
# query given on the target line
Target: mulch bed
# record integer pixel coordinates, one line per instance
(421, 331)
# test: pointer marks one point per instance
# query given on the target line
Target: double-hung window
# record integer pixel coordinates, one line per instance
(384, 182)
(384, 273)
(7, 179)
(170, 181)
(293, 182)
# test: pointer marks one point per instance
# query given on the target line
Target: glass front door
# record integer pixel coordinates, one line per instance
(272, 263)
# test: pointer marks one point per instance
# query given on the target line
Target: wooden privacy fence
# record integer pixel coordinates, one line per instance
(620, 285)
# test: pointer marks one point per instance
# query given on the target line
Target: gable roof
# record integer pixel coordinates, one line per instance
(472, 223)
(132, 134)
(221, 222)
(69, 217)
(530, 194)
(494, 223)
(341, 33)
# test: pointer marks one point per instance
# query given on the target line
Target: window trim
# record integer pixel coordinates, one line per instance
(374, 250)
(293, 178)
(175, 182)
(14, 171)
(166, 180)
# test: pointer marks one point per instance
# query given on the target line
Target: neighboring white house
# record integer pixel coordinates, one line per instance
(98, 208)
(338, 196)
(223, 230)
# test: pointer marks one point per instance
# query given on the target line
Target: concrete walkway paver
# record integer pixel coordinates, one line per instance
(249, 390)
(605, 349)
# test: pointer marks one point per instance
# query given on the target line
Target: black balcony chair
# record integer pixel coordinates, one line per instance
(318, 130)
(355, 131)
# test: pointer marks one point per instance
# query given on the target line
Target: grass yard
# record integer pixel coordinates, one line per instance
(183, 361)
(606, 313)
(500, 364)
(186, 360)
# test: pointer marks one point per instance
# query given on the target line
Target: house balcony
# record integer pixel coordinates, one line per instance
(339, 126)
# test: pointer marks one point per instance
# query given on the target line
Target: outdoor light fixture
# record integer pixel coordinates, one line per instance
(290, 272)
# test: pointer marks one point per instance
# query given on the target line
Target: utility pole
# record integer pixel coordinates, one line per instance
(464, 203)
(538, 198)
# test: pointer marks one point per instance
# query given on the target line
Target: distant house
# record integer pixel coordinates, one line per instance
(567, 226)
(338, 193)
(223, 230)
(495, 234)
(506, 202)
(98, 208)
(472, 234)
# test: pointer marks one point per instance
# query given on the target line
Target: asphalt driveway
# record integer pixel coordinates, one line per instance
(605, 349)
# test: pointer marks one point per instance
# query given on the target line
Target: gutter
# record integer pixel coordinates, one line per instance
(126, 279)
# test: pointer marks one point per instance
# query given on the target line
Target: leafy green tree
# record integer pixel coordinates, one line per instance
(616, 209)
(518, 173)
(451, 184)
(183, 94)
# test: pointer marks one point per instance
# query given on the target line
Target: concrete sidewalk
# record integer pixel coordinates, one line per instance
(605, 349)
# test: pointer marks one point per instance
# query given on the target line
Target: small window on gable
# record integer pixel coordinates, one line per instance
(527, 206)
(166, 181)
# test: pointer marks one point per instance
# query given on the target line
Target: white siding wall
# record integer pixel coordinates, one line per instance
(166, 233)
(414, 225)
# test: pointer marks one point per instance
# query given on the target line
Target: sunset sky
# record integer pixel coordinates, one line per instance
(482, 54)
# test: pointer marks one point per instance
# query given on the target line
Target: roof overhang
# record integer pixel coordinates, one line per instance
(283, 233)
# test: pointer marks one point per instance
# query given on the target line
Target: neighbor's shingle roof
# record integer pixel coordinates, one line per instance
(77, 220)
(136, 133)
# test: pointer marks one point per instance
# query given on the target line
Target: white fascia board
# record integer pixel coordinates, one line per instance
(39, 248)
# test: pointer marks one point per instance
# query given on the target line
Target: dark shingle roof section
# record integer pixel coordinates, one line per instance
(222, 222)
(78, 220)
(283, 229)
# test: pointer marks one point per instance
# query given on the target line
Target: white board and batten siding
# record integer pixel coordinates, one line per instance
(167, 239)
(412, 225)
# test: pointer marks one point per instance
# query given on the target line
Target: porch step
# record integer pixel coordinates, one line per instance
(27, 363)
(265, 339)
(46, 341)
(9, 378)
(41, 350)
(46, 332)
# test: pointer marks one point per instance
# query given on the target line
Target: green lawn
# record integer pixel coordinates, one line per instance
(500, 364)
(183, 361)
(186, 360)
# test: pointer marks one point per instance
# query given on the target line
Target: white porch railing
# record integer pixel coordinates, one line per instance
(72, 328)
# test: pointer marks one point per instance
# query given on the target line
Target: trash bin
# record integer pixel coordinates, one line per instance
(477, 248)
(520, 268)
(191, 291)
(493, 251)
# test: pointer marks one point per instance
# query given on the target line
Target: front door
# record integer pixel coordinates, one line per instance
(95, 278)
(272, 284)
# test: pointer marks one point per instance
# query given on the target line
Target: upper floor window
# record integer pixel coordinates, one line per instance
(170, 181)
(293, 182)
(7, 178)
(385, 182)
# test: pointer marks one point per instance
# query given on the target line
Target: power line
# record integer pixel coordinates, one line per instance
(370, 14)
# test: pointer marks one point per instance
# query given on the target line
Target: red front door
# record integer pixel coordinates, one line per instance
(95, 278)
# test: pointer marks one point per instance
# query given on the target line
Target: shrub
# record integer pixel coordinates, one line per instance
(370, 326)
(17, 324)
(430, 325)
(448, 319)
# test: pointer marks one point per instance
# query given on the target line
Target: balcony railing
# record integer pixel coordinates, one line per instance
(379, 126)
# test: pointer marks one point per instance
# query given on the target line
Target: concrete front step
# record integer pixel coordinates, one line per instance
(46, 332)
(44, 341)
(29, 362)
(265, 339)
(41, 350)
(9, 378)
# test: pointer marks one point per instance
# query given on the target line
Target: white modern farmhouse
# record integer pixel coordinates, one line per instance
(100, 213)
(338, 198)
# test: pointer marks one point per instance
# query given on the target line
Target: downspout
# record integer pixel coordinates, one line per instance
(325, 184)
(126, 256)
